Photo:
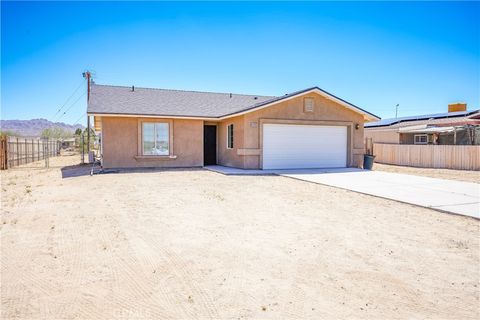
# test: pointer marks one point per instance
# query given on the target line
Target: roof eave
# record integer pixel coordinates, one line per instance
(164, 116)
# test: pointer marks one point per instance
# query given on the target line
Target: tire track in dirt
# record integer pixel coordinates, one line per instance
(237, 299)
(143, 245)
(139, 288)
(152, 268)
(31, 281)
(148, 247)
(125, 272)
(187, 274)
(131, 280)
(72, 252)
(14, 306)
(137, 247)
(126, 276)
(295, 306)
(123, 290)
(234, 232)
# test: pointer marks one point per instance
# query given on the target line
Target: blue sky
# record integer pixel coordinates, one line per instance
(374, 54)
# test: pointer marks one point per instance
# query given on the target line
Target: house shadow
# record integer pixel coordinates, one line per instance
(80, 170)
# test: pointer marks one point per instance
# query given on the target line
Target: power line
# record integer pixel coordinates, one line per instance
(65, 112)
(76, 122)
(68, 99)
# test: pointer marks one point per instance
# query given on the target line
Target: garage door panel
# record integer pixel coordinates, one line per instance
(304, 146)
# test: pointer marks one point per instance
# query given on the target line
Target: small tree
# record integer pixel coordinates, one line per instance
(8, 133)
(78, 132)
(84, 134)
(55, 133)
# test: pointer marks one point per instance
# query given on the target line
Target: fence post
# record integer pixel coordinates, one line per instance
(46, 153)
(83, 148)
(3, 149)
(17, 152)
(7, 147)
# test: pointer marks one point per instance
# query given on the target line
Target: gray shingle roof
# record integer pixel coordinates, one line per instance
(105, 99)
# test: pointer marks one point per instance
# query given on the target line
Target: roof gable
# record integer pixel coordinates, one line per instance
(367, 115)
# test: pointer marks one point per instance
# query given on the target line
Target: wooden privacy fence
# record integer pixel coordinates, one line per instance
(15, 151)
(463, 157)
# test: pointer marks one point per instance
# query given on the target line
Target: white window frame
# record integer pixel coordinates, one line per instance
(420, 135)
(228, 136)
(154, 135)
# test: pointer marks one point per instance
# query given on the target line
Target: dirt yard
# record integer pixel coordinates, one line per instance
(192, 244)
(460, 175)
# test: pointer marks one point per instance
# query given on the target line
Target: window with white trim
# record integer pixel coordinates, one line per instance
(420, 139)
(230, 136)
(155, 139)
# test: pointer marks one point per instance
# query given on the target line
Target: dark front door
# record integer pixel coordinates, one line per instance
(209, 145)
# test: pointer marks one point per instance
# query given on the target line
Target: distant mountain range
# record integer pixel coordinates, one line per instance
(34, 127)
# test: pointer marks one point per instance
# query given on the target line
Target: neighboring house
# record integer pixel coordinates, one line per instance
(455, 127)
(68, 143)
(142, 127)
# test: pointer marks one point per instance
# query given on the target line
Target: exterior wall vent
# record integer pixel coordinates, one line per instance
(308, 104)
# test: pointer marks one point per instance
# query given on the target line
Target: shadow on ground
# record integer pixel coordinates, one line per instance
(86, 170)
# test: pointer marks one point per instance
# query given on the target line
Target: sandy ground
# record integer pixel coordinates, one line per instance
(193, 244)
(460, 175)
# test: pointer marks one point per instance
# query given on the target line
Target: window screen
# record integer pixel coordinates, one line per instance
(155, 139)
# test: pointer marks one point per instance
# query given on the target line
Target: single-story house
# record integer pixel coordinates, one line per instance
(460, 127)
(68, 143)
(144, 127)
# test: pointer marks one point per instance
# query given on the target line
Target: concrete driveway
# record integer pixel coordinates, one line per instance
(445, 195)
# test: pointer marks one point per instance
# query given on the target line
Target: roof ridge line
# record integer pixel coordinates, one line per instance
(195, 91)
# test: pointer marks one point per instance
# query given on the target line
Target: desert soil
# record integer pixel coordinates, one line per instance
(449, 174)
(193, 244)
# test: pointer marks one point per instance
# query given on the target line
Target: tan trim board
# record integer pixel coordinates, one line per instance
(249, 152)
(155, 158)
(358, 151)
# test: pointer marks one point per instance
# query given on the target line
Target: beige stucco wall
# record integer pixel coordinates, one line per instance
(229, 157)
(383, 135)
(122, 141)
(248, 129)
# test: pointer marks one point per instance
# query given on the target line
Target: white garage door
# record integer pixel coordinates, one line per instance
(288, 146)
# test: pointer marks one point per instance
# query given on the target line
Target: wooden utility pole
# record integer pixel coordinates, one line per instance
(87, 75)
